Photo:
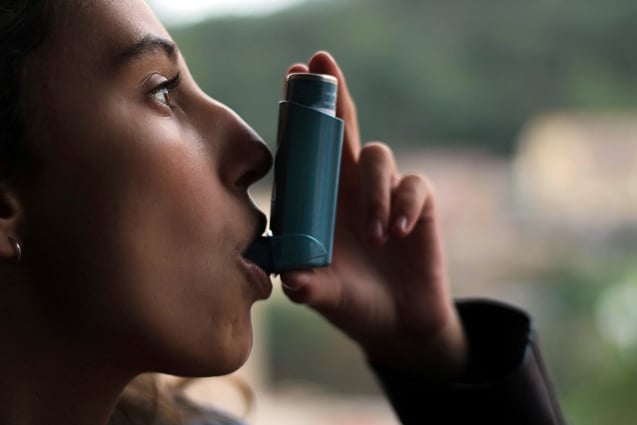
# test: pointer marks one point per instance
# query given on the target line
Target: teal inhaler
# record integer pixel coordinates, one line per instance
(306, 173)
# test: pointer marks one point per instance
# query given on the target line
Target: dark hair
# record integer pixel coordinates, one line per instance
(24, 24)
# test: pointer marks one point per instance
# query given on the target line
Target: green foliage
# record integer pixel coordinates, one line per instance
(447, 73)
(596, 378)
(303, 349)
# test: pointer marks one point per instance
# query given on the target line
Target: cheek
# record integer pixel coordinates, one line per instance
(131, 237)
(179, 237)
(145, 246)
(184, 282)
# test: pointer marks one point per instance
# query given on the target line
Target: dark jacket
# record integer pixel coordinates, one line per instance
(506, 382)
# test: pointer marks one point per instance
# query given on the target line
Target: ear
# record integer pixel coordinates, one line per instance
(10, 215)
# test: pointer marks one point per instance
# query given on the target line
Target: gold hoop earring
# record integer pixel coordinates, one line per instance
(18, 250)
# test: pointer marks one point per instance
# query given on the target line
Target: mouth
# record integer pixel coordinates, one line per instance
(257, 275)
(259, 279)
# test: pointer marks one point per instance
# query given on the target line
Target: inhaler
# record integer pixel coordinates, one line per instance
(306, 174)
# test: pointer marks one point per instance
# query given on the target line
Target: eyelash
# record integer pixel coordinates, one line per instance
(165, 90)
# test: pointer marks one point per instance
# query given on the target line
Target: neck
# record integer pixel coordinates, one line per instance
(47, 381)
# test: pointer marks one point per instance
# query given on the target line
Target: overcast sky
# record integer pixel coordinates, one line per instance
(185, 11)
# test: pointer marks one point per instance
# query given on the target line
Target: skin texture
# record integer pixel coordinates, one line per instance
(135, 213)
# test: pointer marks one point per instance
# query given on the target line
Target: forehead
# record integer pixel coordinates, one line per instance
(92, 32)
(65, 76)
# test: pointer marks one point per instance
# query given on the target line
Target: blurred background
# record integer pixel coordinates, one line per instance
(524, 114)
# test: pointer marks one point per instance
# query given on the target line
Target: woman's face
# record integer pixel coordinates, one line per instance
(138, 214)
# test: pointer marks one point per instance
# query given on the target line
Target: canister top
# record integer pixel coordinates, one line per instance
(316, 91)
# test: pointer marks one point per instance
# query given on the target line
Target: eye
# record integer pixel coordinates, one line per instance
(163, 93)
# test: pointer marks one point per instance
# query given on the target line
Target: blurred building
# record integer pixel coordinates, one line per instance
(578, 172)
(489, 253)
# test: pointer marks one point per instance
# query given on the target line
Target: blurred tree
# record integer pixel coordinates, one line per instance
(446, 73)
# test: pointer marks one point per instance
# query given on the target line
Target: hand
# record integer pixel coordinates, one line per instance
(387, 285)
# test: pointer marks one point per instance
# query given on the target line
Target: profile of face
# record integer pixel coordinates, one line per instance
(137, 213)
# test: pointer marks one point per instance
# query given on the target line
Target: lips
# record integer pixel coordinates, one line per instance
(258, 278)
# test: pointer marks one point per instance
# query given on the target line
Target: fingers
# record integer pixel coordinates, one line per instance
(393, 204)
(412, 200)
(324, 63)
(297, 67)
(302, 287)
(297, 285)
(377, 171)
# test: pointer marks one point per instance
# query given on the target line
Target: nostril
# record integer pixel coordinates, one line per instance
(268, 161)
(258, 168)
(248, 178)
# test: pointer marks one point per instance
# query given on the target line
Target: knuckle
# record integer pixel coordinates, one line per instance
(430, 188)
(378, 208)
(377, 152)
(415, 190)
(377, 164)
(419, 182)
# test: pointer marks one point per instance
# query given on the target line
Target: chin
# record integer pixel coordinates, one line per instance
(220, 360)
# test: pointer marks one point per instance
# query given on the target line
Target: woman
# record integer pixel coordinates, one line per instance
(125, 214)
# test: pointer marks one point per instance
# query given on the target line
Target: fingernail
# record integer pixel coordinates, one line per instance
(290, 288)
(401, 223)
(376, 230)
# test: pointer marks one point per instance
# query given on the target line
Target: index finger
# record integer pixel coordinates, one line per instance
(324, 63)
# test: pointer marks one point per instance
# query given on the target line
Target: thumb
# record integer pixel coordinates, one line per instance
(304, 287)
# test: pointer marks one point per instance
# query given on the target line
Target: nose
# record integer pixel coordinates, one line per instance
(243, 156)
(248, 158)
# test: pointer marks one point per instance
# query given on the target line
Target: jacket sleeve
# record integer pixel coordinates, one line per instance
(506, 381)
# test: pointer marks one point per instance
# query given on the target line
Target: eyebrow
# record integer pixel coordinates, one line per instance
(147, 45)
